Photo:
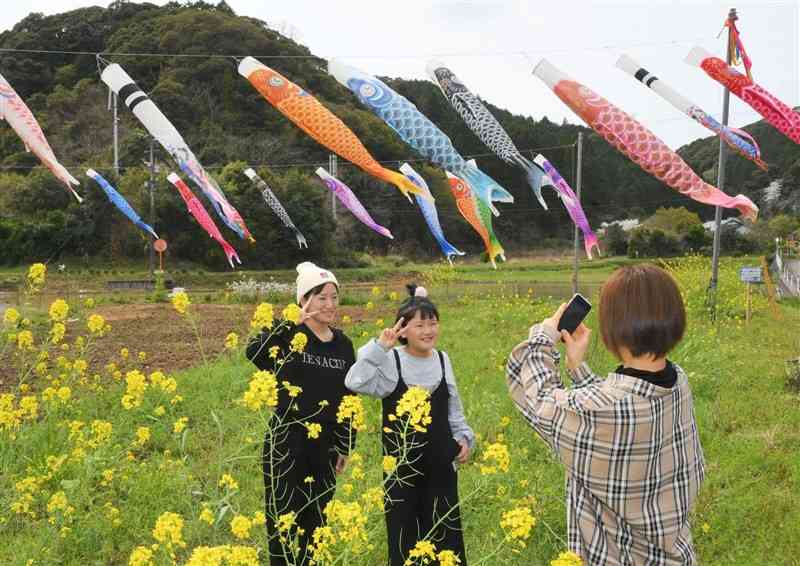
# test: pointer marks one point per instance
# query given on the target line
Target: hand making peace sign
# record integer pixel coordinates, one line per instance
(389, 336)
(304, 314)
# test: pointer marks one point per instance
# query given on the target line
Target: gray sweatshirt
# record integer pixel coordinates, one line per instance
(375, 374)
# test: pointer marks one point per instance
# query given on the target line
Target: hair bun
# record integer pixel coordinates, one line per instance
(421, 292)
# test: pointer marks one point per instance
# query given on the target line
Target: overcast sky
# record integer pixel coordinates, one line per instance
(492, 46)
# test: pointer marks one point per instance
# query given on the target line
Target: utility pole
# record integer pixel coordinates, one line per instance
(723, 155)
(151, 187)
(333, 167)
(112, 105)
(578, 182)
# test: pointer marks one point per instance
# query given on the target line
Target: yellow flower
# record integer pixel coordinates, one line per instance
(59, 310)
(448, 558)
(64, 393)
(292, 390)
(25, 340)
(11, 316)
(291, 313)
(393, 296)
(352, 409)
(96, 324)
(379, 323)
(496, 459)
(159, 411)
(505, 421)
(169, 529)
(263, 391)
(180, 424)
(274, 351)
(567, 558)
(240, 526)
(706, 528)
(389, 464)
(370, 306)
(376, 291)
(416, 404)
(231, 341)
(259, 518)
(108, 477)
(207, 516)
(228, 481)
(517, 525)
(36, 274)
(262, 317)
(308, 479)
(181, 302)
(285, 521)
(298, 343)
(141, 556)
(124, 353)
(346, 319)
(313, 429)
(89, 303)
(142, 435)
(424, 552)
(142, 356)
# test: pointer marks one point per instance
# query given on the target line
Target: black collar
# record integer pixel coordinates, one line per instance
(663, 378)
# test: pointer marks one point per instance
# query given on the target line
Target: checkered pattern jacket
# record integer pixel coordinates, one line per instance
(631, 450)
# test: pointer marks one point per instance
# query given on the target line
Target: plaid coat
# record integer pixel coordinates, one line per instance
(631, 449)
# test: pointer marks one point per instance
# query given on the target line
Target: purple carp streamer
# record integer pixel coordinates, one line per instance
(571, 203)
(348, 198)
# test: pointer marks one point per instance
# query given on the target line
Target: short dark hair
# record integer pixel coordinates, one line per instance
(641, 309)
(413, 305)
(318, 289)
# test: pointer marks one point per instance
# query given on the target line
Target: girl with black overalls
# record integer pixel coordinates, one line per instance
(291, 453)
(423, 501)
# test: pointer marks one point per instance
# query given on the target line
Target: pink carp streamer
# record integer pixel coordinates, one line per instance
(196, 209)
(571, 203)
(637, 142)
(774, 111)
(348, 198)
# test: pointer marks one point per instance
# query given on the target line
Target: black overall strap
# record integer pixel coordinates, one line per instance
(441, 363)
(397, 363)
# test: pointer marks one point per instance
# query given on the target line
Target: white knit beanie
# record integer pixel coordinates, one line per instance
(309, 275)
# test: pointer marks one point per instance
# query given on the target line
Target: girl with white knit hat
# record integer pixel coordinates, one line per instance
(294, 455)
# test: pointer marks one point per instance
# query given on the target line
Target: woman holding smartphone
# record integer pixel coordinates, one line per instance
(629, 442)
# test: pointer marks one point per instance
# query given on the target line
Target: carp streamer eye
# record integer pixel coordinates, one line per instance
(276, 81)
(367, 90)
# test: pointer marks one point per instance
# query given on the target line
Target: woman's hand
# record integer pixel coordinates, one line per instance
(463, 454)
(341, 463)
(304, 314)
(552, 322)
(576, 345)
(389, 336)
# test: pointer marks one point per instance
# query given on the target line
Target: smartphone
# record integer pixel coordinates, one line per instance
(573, 315)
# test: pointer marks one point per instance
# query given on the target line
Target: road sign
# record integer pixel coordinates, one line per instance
(751, 275)
(160, 245)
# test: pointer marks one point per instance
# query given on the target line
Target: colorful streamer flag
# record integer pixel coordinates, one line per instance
(736, 47)
(430, 214)
(637, 142)
(476, 213)
(348, 198)
(14, 110)
(317, 121)
(276, 206)
(774, 111)
(738, 140)
(199, 212)
(485, 125)
(571, 203)
(171, 140)
(417, 131)
(119, 201)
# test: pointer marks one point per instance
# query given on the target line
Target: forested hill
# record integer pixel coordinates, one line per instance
(229, 126)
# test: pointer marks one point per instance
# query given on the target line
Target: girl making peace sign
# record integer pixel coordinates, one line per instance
(423, 502)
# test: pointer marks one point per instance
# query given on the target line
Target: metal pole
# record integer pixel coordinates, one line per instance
(116, 135)
(578, 181)
(152, 256)
(723, 155)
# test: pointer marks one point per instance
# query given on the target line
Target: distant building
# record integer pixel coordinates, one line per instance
(626, 225)
(735, 223)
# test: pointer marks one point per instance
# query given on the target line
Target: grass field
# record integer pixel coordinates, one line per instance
(91, 493)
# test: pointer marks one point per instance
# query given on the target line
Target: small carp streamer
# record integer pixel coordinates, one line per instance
(417, 131)
(571, 203)
(14, 111)
(637, 142)
(738, 140)
(119, 201)
(171, 140)
(477, 214)
(484, 125)
(774, 111)
(314, 119)
(348, 198)
(430, 214)
(276, 206)
(196, 209)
